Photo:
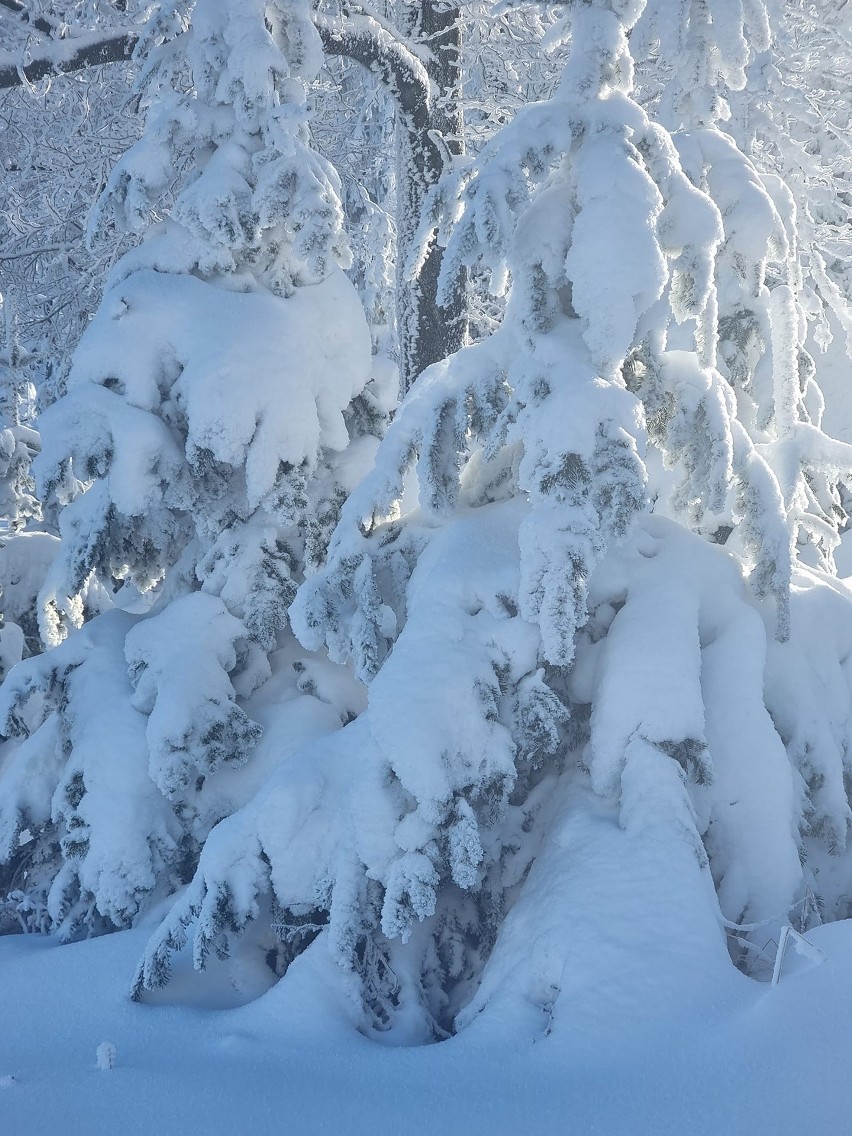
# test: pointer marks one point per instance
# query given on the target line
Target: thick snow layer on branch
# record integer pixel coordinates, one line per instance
(179, 662)
(706, 694)
(83, 767)
(260, 380)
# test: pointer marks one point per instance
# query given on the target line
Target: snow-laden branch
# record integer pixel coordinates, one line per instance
(366, 41)
(66, 55)
(21, 10)
(361, 38)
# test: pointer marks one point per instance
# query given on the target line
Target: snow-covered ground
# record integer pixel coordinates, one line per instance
(763, 1061)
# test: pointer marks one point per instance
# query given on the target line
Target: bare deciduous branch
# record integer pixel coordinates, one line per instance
(69, 55)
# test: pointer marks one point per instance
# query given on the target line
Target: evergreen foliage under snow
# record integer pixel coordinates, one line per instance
(416, 708)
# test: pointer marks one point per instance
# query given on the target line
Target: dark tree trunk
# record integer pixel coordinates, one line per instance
(426, 135)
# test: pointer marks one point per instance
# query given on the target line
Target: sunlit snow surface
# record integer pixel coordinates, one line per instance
(746, 1058)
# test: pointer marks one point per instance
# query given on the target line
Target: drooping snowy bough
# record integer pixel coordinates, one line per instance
(588, 582)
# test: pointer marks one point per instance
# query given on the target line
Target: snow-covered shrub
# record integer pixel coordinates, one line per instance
(218, 409)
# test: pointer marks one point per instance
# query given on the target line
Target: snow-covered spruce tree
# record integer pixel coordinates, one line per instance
(772, 291)
(580, 740)
(219, 408)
